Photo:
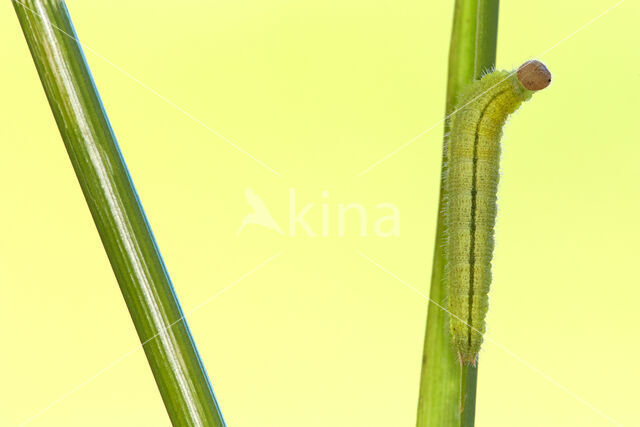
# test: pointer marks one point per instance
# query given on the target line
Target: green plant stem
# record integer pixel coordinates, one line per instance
(447, 389)
(118, 214)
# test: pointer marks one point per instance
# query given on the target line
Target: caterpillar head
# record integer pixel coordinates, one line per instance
(533, 75)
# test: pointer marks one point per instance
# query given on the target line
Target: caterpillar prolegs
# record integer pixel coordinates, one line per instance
(472, 175)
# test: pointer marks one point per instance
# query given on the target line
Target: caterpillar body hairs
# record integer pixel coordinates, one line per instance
(472, 182)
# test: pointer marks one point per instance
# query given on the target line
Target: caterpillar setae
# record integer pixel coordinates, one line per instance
(473, 151)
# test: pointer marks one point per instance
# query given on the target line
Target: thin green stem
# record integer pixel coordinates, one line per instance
(447, 389)
(118, 214)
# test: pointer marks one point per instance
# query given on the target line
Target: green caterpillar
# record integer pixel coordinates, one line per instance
(472, 175)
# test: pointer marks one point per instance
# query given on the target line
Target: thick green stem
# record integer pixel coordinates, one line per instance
(447, 389)
(118, 214)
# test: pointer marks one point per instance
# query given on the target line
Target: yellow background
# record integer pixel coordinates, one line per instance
(319, 91)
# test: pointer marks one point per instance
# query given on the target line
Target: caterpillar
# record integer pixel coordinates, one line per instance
(471, 179)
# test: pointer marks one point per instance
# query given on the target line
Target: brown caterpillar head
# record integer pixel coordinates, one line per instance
(533, 75)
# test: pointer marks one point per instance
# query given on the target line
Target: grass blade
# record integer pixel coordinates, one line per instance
(118, 214)
(447, 390)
